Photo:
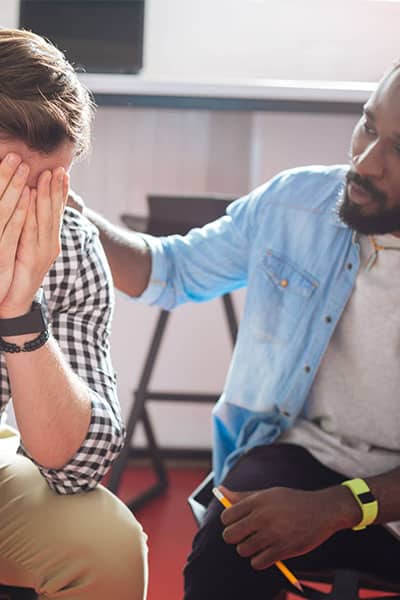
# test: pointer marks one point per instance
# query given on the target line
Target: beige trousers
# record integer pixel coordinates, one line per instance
(77, 547)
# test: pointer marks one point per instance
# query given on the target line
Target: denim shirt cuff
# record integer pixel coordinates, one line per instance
(158, 275)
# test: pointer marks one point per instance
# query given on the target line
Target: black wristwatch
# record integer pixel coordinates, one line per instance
(34, 321)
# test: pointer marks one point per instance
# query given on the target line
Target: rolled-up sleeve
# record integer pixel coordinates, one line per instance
(80, 296)
(206, 262)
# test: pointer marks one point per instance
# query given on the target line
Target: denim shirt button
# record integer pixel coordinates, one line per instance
(328, 319)
(349, 266)
(285, 413)
(284, 283)
(307, 369)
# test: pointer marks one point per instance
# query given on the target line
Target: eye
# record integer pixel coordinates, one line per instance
(369, 130)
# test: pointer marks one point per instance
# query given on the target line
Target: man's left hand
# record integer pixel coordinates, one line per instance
(39, 244)
(280, 523)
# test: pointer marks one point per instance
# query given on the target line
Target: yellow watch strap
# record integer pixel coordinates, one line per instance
(365, 500)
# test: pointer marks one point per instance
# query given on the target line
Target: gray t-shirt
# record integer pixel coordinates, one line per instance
(351, 421)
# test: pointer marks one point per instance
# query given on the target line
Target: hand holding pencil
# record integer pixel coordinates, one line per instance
(279, 564)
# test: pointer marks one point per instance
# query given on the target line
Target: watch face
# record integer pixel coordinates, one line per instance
(366, 497)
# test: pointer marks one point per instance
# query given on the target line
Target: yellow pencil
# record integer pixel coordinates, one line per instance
(279, 564)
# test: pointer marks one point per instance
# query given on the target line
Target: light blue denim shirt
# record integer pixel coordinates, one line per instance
(285, 242)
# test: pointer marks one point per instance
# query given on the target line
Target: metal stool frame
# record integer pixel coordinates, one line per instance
(167, 215)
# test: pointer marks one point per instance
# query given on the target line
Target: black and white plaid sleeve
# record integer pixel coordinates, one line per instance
(80, 299)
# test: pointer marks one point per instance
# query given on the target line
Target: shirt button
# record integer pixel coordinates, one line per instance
(284, 283)
(307, 368)
(349, 266)
(285, 413)
(328, 319)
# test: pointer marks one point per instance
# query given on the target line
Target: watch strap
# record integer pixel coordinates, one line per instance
(32, 322)
(35, 321)
(365, 500)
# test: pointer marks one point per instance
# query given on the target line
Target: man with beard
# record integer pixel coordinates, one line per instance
(307, 430)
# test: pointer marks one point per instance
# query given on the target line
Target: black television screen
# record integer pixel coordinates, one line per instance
(98, 36)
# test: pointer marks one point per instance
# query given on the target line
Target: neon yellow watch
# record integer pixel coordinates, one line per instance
(365, 500)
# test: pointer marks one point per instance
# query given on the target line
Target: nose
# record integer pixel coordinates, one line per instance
(369, 161)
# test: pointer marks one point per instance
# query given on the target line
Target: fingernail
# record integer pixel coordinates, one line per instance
(12, 159)
(23, 170)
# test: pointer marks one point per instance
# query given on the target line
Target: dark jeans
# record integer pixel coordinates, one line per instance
(214, 570)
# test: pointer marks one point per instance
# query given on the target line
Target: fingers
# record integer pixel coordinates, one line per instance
(238, 511)
(264, 559)
(66, 190)
(59, 194)
(232, 496)
(52, 192)
(262, 548)
(8, 166)
(13, 179)
(44, 214)
(29, 236)
(238, 531)
(252, 545)
(247, 530)
(13, 230)
(18, 218)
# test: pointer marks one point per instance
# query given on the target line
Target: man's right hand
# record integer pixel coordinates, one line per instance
(14, 204)
(279, 523)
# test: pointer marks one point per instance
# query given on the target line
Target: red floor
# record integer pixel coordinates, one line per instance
(170, 526)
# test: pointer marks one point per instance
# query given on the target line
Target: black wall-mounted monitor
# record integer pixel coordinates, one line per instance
(97, 36)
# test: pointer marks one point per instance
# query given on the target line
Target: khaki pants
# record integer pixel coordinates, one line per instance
(77, 547)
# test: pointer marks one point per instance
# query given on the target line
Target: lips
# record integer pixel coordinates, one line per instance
(358, 195)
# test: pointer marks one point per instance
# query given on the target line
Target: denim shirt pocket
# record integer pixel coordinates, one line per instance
(278, 297)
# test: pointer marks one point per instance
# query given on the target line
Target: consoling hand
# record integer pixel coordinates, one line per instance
(279, 523)
(31, 221)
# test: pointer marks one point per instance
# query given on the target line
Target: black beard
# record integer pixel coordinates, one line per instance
(384, 220)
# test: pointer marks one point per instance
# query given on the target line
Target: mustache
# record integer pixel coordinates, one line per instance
(366, 185)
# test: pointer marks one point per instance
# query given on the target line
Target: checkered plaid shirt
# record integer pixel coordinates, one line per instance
(80, 301)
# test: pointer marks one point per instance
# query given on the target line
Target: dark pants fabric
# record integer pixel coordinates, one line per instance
(214, 570)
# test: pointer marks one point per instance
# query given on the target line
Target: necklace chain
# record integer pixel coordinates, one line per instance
(376, 248)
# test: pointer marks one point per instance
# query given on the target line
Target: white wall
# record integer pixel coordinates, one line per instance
(284, 39)
(9, 13)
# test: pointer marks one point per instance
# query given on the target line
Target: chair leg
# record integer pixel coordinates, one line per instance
(345, 585)
(138, 413)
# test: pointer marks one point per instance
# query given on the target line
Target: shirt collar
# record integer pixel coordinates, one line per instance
(335, 217)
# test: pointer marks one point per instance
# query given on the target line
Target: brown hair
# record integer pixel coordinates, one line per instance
(42, 101)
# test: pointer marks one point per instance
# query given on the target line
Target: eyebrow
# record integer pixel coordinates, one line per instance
(368, 113)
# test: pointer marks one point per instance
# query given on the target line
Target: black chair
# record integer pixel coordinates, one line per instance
(166, 215)
(345, 584)
(16, 593)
